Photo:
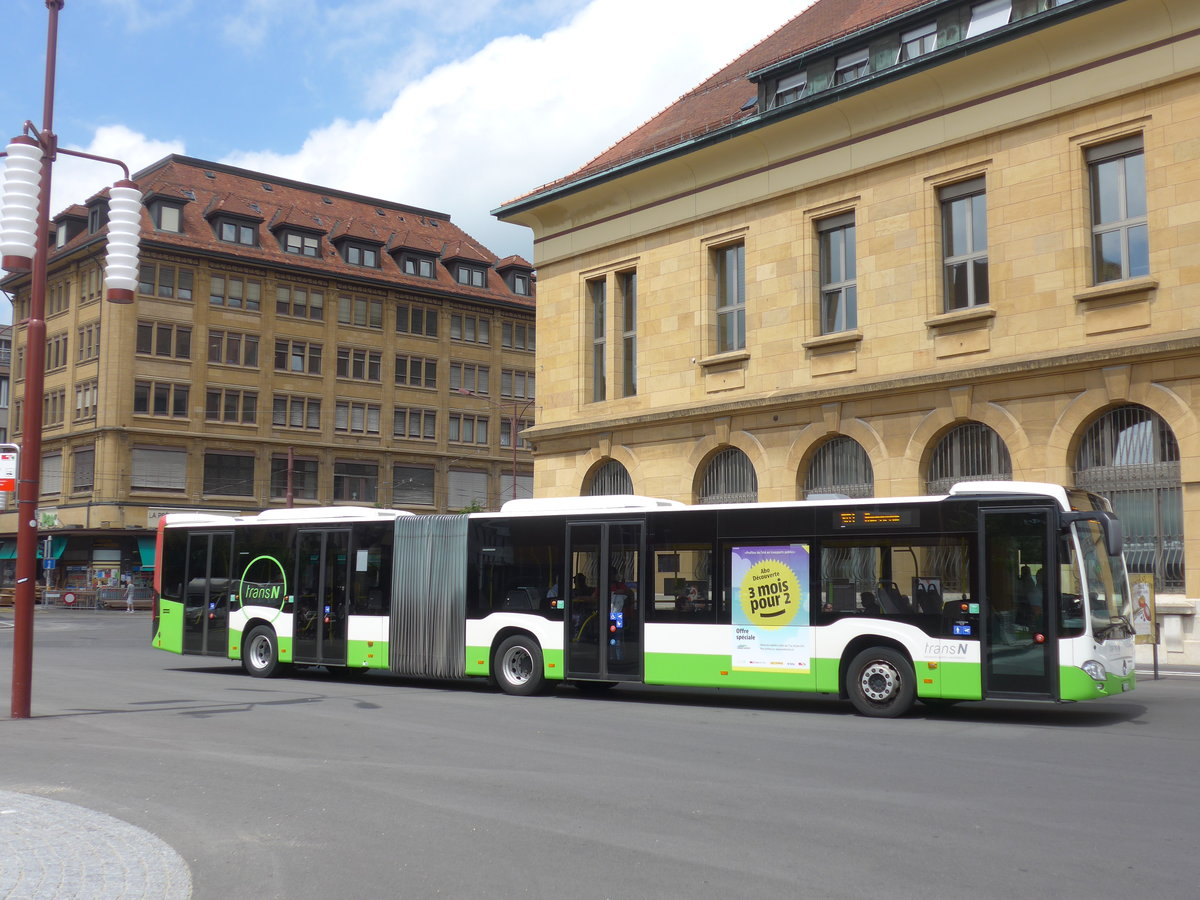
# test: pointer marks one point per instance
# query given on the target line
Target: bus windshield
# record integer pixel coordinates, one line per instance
(1105, 585)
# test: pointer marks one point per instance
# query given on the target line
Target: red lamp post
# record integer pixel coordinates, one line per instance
(24, 246)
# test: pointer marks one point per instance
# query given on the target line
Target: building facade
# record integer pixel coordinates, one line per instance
(288, 344)
(898, 244)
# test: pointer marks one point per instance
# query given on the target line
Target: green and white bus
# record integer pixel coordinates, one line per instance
(996, 590)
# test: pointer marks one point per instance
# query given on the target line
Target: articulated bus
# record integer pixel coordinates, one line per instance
(996, 590)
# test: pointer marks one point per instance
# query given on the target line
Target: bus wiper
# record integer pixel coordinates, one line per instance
(1118, 625)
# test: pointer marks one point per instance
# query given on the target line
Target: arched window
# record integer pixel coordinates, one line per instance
(729, 478)
(1130, 456)
(968, 452)
(610, 478)
(840, 466)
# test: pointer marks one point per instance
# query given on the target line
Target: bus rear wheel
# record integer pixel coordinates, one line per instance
(260, 653)
(518, 666)
(881, 683)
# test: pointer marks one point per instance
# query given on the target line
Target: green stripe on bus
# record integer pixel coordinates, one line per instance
(1076, 684)
(170, 626)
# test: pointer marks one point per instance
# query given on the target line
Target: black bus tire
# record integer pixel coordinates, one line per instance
(880, 683)
(518, 666)
(260, 652)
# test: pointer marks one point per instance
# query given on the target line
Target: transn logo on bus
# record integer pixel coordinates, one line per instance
(946, 649)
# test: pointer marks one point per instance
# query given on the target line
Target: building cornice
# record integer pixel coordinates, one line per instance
(1015, 369)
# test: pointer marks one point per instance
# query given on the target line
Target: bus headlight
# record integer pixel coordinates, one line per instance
(1095, 669)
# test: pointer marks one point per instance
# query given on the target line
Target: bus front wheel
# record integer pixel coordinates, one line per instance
(518, 666)
(881, 683)
(260, 653)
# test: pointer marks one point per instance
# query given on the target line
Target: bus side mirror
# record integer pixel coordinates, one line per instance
(1114, 534)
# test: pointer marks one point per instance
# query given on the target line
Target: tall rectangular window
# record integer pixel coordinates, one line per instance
(729, 265)
(627, 284)
(839, 290)
(964, 244)
(83, 474)
(1120, 235)
(597, 290)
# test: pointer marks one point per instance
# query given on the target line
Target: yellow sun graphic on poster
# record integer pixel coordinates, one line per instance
(770, 594)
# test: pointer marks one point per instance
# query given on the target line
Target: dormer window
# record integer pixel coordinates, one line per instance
(790, 87)
(236, 231)
(167, 216)
(989, 16)
(97, 216)
(417, 264)
(300, 243)
(473, 276)
(360, 254)
(852, 66)
(918, 42)
(68, 227)
(520, 284)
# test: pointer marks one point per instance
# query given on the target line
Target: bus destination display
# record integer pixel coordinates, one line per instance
(876, 518)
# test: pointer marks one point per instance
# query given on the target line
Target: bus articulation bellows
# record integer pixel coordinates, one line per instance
(996, 590)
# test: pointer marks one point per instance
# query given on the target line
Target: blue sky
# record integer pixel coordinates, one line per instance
(454, 105)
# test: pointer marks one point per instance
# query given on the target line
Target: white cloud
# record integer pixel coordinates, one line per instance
(524, 111)
(75, 180)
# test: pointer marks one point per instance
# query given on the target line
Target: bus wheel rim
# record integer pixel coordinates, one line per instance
(259, 652)
(518, 665)
(880, 681)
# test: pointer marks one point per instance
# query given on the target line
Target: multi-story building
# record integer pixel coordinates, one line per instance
(897, 244)
(287, 343)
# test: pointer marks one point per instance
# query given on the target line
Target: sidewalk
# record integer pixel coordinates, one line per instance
(51, 850)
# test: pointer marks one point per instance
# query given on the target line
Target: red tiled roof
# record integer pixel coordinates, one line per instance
(513, 262)
(207, 189)
(720, 100)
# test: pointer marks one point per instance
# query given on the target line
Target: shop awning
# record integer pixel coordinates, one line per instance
(8, 549)
(146, 550)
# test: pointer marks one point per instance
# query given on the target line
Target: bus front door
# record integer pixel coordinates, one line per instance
(206, 585)
(605, 601)
(322, 576)
(1020, 658)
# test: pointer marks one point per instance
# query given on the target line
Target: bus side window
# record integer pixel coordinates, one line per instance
(371, 570)
(682, 584)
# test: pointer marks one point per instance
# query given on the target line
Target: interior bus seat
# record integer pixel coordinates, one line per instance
(893, 602)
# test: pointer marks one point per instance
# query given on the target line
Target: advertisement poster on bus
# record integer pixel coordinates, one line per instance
(770, 608)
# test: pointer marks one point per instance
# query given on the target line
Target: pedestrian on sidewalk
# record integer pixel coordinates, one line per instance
(129, 596)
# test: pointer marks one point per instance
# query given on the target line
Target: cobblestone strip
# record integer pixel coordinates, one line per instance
(51, 850)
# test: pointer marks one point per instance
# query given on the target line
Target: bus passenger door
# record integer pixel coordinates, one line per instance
(206, 585)
(1020, 639)
(605, 601)
(321, 614)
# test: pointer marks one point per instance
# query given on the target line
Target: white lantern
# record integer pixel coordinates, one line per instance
(124, 227)
(18, 215)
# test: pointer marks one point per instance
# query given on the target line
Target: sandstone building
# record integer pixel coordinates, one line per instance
(897, 244)
(285, 338)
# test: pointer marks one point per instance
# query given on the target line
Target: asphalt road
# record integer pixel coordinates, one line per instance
(313, 787)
